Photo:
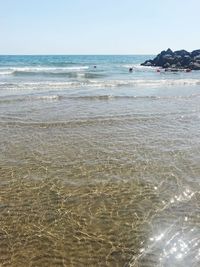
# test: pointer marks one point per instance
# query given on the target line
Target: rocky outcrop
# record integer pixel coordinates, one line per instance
(178, 60)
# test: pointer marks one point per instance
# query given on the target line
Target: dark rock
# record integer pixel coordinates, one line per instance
(194, 66)
(185, 61)
(195, 53)
(166, 65)
(148, 63)
(197, 57)
(173, 66)
(178, 65)
(179, 60)
(182, 53)
(169, 51)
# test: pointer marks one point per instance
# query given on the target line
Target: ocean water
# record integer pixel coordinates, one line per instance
(99, 166)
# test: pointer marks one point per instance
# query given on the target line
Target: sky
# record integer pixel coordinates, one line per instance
(98, 26)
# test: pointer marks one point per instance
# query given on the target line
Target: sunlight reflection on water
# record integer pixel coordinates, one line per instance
(177, 243)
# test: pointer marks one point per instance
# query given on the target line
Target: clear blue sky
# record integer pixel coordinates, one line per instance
(98, 26)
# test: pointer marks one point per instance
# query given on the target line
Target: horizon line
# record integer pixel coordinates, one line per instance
(77, 54)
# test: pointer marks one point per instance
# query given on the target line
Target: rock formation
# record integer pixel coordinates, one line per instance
(177, 60)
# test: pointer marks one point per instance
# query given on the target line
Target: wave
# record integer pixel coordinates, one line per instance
(139, 68)
(132, 97)
(106, 97)
(147, 82)
(72, 74)
(77, 122)
(67, 72)
(98, 84)
(41, 70)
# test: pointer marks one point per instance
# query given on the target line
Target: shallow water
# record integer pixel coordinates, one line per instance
(103, 175)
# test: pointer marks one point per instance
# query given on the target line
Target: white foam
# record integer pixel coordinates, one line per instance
(146, 82)
(5, 72)
(12, 70)
(101, 84)
(48, 97)
(138, 67)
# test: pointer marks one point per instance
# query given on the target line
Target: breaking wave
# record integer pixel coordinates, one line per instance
(97, 84)
(41, 70)
(96, 97)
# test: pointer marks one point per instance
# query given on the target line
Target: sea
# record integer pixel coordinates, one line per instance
(99, 165)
